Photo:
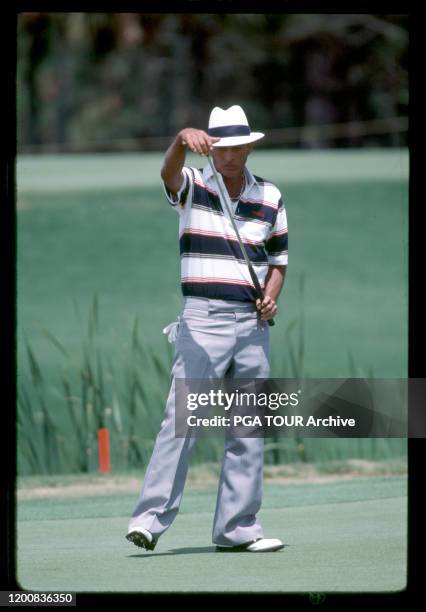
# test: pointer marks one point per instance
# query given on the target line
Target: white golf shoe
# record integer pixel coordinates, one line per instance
(141, 537)
(259, 545)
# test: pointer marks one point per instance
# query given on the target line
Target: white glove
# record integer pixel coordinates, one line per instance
(172, 330)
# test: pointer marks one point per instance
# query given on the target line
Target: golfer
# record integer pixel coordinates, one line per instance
(223, 330)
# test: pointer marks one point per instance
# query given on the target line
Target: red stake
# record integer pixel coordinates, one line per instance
(103, 447)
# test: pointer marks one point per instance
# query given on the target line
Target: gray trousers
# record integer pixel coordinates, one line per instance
(216, 339)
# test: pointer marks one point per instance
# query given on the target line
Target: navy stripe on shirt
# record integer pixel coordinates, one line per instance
(221, 291)
(256, 212)
(218, 245)
(202, 196)
(277, 244)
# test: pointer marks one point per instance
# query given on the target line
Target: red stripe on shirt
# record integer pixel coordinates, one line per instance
(211, 279)
(220, 235)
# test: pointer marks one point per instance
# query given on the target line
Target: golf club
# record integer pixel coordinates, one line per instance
(227, 205)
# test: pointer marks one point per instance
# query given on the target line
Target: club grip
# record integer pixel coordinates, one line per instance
(261, 295)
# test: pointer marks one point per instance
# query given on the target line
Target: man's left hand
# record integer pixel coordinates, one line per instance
(268, 308)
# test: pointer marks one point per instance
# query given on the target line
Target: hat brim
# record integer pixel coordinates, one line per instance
(235, 141)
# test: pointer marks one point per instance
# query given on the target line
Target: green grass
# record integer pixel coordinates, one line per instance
(348, 238)
(74, 173)
(100, 226)
(347, 536)
(205, 474)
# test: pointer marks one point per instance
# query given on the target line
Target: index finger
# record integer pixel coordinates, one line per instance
(210, 141)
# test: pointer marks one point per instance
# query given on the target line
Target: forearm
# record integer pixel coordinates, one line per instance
(174, 160)
(197, 141)
(275, 281)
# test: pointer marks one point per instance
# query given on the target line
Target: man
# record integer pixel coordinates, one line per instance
(223, 330)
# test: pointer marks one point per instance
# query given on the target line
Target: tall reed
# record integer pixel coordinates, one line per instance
(58, 419)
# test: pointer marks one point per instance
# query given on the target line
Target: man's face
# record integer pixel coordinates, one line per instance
(230, 161)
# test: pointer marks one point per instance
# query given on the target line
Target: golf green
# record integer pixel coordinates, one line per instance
(343, 536)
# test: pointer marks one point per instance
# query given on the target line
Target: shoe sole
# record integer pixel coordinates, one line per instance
(244, 548)
(138, 539)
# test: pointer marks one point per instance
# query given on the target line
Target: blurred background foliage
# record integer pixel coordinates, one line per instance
(109, 81)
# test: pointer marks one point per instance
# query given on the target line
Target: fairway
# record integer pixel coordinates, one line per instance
(343, 536)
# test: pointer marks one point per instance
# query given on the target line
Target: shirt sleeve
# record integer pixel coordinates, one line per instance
(179, 199)
(276, 244)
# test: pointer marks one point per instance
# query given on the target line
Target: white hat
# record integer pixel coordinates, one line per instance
(231, 126)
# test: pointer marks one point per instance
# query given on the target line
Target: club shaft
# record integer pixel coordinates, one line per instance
(228, 207)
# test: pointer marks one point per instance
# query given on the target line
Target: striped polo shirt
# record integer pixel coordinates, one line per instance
(212, 264)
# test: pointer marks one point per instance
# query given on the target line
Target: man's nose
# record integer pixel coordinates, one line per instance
(228, 155)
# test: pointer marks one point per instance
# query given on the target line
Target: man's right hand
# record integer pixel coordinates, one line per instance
(197, 141)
